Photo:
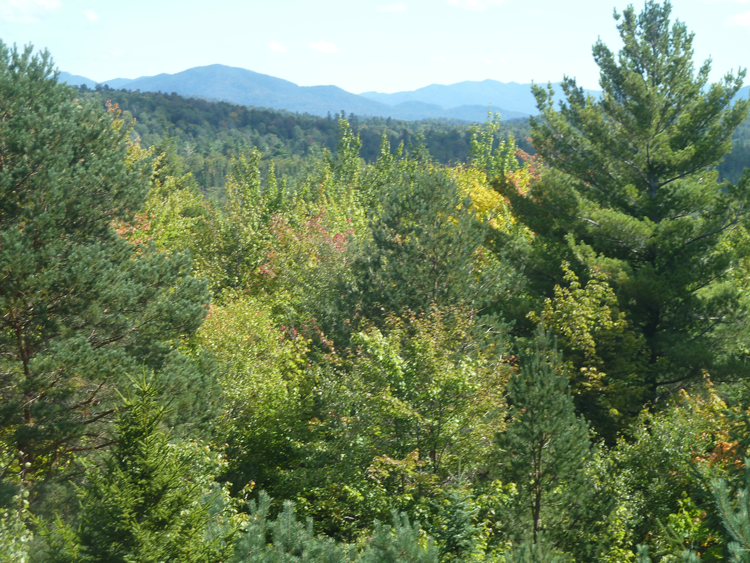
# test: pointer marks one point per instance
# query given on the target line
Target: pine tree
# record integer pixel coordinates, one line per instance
(80, 306)
(735, 515)
(149, 502)
(546, 447)
(423, 246)
(630, 191)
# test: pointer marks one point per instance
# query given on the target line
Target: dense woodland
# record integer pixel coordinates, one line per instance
(206, 135)
(231, 334)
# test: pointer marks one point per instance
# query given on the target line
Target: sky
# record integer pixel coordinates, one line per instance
(385, 46)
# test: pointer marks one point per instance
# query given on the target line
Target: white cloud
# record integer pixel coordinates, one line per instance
(117, 53)
(27, 11)
(91, 15)
(440, 59)
(475, 5)
(276, 46)
(400, 7)
(324, 47)
(740, 19)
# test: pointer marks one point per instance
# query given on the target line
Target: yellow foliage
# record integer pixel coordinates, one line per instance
(486, 203)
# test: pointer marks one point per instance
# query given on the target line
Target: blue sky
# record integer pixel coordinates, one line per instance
(358, 45)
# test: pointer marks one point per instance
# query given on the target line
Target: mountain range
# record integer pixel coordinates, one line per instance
(466, 101)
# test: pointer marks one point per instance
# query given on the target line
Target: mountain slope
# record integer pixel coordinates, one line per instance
(241, 86)
(246, 87)
(516, 98)
(76, 80)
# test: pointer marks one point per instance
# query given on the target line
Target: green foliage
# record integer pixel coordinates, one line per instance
(150, 501)
(455, 528)
(79, 305)
(425, 391)
(353, 363)
(604, 356)
(539, 551)
(393, 418)
(402, 542)
(346, 165)
(176, 216)
(245, 221)
(662, 468)
(424, 248)
(735, 516)
(630, 194)
(15, 535)
(483, 154)
(546, 447)
(292, 541)
(261, 374)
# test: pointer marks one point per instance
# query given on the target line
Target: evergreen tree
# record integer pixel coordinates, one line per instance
(399, 544)
(546, 447)
(148, 503)
(539, 551)
(630, 192)
(735, 515)
(423, 248)
(80, 306)
(455, 530)
(287, 540)
(291, 541)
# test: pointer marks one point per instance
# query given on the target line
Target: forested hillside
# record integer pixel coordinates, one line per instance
(205, 135)
(236, 335)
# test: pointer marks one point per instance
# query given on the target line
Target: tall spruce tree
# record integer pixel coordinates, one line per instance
(79, 305)
(631, 191)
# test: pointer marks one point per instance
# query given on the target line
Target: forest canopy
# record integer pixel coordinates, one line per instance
(235, 334)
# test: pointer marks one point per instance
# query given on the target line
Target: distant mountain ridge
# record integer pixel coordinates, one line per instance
(510, 95)
(467, 101)
(242, 86)
(76, 80)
